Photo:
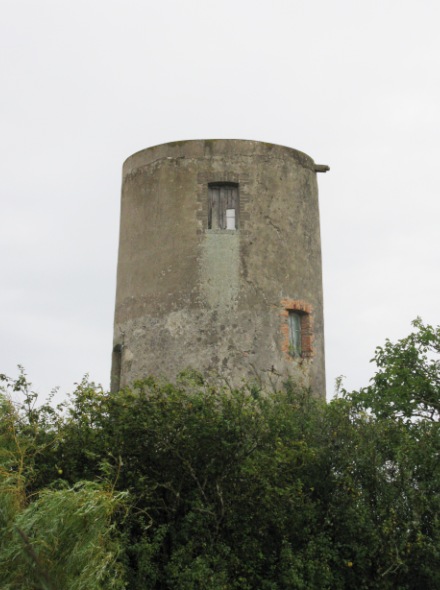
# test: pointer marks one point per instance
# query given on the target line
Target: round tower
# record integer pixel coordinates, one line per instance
(219, 264)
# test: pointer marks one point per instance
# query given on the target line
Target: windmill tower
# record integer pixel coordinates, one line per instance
(219, 264)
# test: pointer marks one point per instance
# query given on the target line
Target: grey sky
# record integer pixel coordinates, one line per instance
(356, 85)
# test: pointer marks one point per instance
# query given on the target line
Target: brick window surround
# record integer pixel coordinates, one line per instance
(204, 180)
(304, 310)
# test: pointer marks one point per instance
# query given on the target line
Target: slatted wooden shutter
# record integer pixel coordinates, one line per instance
(222, 197)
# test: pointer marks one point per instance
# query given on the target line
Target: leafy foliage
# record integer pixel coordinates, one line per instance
(64, 540)
(185, 486)
(58, 537)
(407, 382)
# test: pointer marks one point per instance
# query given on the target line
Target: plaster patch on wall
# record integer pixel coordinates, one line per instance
(219, 269)
(176, 322)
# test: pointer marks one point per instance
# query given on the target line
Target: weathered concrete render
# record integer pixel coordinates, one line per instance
(218, 300)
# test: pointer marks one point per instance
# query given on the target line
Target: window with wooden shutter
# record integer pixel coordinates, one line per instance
(223, 206)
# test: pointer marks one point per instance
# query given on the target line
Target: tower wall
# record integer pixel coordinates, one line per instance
(192, 293)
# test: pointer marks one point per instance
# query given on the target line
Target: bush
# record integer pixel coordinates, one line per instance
(185, 486)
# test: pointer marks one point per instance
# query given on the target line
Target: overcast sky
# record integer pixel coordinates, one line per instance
(84, 84)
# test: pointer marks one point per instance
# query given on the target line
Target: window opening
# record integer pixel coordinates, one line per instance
(297, 328)
(223, 206)
(230, 218)
(295, 335)
(116, 368)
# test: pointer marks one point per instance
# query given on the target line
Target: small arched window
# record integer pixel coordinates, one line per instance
(297, 328)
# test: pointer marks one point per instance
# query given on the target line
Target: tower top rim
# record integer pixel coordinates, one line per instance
(211, 148)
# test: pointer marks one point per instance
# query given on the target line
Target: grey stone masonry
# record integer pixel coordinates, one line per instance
(219, 265)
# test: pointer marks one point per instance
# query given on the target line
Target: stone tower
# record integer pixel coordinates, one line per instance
(219, 264)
